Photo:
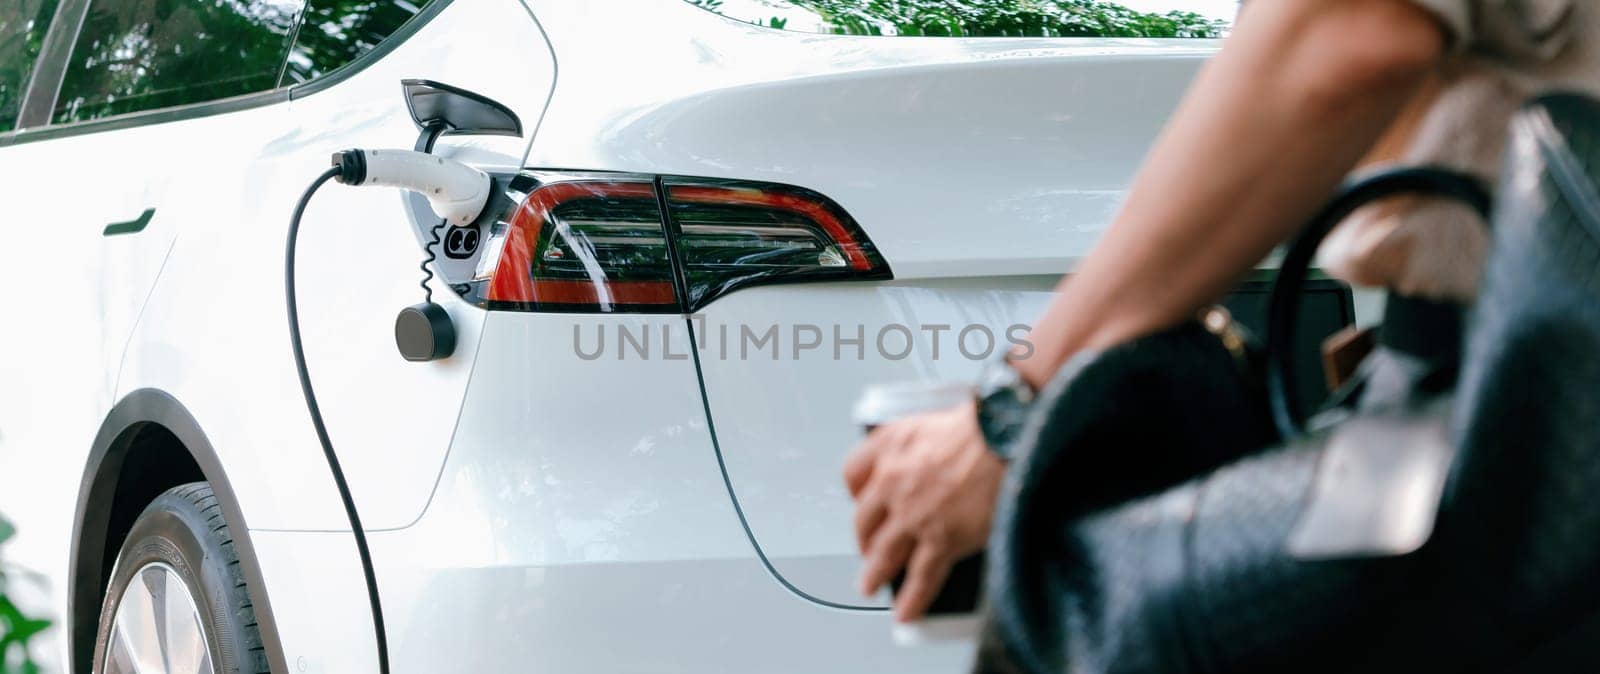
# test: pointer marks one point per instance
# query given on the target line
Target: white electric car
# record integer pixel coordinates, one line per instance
(706, 238)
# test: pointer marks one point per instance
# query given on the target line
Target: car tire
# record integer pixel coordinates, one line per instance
(179, 557)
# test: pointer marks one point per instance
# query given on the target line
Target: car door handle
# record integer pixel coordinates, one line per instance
(133, 226)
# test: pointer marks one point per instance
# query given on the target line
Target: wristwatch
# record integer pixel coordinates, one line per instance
(1003, 400)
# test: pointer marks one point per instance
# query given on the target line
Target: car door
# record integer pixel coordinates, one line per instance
(91, 165)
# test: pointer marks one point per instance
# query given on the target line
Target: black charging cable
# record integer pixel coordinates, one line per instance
(428, 256)
(316, 418)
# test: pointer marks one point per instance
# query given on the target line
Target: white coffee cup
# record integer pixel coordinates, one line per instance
(882, 403)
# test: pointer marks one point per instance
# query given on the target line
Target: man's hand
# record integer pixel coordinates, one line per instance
(925, 490)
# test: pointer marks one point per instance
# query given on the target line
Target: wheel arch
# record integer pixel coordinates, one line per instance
(146, 429)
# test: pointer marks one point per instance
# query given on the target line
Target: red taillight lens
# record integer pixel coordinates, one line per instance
(599, 244)
(585, 245)
(736, 234)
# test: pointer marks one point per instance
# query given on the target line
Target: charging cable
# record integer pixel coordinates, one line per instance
(316, 418)
(458, 193)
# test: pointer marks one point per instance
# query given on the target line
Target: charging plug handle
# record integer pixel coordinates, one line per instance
(457, 192)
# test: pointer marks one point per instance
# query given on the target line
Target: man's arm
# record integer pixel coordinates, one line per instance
(1298, 94)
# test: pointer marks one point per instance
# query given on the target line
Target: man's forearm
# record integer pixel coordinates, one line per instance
(1297, 95)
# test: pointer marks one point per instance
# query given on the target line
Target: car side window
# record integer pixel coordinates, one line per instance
(23, 24)
(336, 32)
(133, 55)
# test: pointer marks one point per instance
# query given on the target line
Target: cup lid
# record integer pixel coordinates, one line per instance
(882, 403)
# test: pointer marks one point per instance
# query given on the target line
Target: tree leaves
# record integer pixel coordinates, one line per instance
(22, 29)
(999, 18)
(1007, 18)
(15, 628)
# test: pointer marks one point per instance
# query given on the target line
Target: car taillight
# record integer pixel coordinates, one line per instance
(736, 234)
(585, 245)
(599, 243)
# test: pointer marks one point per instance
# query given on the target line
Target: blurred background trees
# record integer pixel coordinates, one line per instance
(22, 28)
(991, 18)
(16, 629)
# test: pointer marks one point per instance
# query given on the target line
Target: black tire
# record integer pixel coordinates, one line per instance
(184, 529)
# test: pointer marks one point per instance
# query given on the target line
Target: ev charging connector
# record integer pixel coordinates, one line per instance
(456, 192)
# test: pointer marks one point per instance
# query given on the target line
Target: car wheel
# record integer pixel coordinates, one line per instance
(177, 601)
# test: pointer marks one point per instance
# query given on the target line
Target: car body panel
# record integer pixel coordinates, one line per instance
(982, 169)
(783, 414)
(320, 599)
(931, 143)
(712, 615)
(581, 524)
(359, 261)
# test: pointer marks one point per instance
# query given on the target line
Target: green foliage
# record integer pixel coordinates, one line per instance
(132, 56)
(15, 628)
(22, 28)
(335, 32)
(999, 18)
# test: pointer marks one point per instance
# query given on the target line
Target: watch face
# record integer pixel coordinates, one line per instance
(1003, 400)
(996, 377)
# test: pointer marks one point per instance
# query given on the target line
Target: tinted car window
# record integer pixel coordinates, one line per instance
(986, 18)
(134, 55)
(336, 32)
(22, 27)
